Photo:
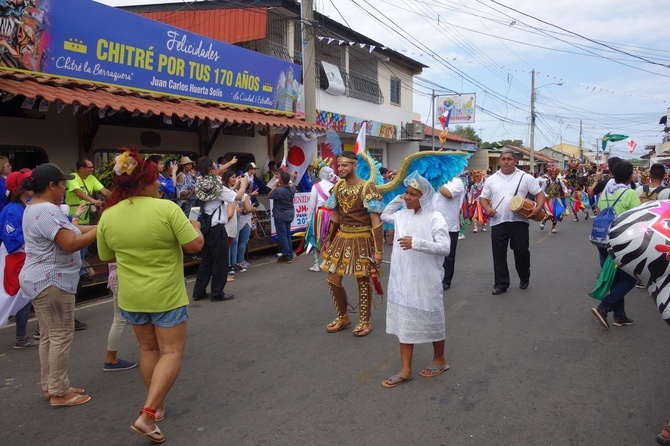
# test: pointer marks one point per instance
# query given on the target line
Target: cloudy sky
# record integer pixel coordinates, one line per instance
(610, 56)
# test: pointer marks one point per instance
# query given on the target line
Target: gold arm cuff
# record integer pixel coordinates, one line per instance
(378, 238)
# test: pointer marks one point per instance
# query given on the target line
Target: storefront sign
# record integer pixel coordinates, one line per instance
(352, 124)
(85, 40)
(462, 108)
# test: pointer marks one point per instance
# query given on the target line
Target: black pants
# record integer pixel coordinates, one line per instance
(214, 264)
(450, 260)
(516, 233)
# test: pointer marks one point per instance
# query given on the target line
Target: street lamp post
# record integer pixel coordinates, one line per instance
(532, 117)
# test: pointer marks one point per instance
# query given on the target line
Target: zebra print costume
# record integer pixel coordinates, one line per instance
(639, 242)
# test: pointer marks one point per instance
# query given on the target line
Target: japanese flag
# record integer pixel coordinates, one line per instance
(299, 155)
(359, 145)
(631, 145)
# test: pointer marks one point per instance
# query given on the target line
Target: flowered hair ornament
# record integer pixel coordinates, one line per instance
(124, 164)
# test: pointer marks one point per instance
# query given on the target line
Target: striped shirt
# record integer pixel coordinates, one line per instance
(46, 263)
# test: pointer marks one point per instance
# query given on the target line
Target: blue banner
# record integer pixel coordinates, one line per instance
(85, 40)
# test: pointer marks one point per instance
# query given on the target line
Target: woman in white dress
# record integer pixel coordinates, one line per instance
(415, 308)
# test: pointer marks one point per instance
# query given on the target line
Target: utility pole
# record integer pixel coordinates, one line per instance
(532, 122)
(432, 127)
(308, 59)
(581, 151)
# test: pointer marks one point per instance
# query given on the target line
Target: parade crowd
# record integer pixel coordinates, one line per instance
(154, 213)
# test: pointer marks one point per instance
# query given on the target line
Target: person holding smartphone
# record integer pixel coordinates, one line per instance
(166, 177)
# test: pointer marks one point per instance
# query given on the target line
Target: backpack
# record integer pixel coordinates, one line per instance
(650, 195)
(204, 218)
(602, 223)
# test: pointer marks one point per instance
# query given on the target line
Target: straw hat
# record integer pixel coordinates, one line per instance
(185, 160)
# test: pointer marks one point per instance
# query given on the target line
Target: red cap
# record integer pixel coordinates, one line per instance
(15, 179)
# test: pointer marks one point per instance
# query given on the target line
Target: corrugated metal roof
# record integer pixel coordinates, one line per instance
(226, 25)
(86, 93)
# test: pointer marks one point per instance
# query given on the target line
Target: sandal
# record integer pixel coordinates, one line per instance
(155, 435)
(48, 396)
(662, 439)
(433, 370)
(338, 324)
(362, 330)
(76, 400)
(396, 380)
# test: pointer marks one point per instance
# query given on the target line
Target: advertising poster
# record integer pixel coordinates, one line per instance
(81, 39)
(300, 216)
(462, 108)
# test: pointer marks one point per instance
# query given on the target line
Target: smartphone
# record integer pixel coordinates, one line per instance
(195, 213)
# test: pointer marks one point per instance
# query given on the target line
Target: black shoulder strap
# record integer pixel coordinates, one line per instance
(518, 185)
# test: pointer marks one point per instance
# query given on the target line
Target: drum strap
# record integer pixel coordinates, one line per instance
(518, 185)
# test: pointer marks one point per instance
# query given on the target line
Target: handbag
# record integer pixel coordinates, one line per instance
(605, 279)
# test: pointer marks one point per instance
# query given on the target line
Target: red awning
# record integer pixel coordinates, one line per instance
(71, 91)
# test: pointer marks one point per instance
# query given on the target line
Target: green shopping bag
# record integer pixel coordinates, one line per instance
(605, 279)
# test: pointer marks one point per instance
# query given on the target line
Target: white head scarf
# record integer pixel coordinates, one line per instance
(422, 185)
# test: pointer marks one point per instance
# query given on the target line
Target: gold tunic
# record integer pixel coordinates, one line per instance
(353, 243)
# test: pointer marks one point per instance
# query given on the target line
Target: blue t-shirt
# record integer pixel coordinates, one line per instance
(11, 230)
(3, 193)
(167, 186)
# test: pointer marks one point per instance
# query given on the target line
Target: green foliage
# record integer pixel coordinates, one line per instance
(497, 145)
(466, 132)
(105, 172)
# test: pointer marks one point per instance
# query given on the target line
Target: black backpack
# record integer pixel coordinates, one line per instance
(204, 218)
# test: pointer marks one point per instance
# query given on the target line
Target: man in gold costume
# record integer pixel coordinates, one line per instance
(355, 235)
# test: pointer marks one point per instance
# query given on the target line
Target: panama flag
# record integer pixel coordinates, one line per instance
(444, 119)
(359, 145)
(631, 145)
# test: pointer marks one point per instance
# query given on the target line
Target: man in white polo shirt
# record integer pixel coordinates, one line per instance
(448, 202)
(508, 227)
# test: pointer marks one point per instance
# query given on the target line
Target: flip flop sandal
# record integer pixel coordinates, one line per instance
(72, 389)
(434, 370)
(73, 401)
(396, 380)
(150, 435)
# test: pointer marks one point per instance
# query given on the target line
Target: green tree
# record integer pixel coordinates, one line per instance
(501, 144)
(466, 132)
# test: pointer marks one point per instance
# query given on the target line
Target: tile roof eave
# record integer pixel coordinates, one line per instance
(88, 94)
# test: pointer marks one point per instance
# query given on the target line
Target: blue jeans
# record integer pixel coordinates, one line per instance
(83, 252)
(242, 240)
(232, 252)
(21, 319)
(614, 301)
(284, 238)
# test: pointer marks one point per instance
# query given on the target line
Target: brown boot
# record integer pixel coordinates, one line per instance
(339, 295)
(364, 295)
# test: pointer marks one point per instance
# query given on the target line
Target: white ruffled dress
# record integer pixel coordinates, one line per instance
(415, 307)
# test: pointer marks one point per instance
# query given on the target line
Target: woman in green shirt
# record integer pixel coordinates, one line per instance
(149, 258)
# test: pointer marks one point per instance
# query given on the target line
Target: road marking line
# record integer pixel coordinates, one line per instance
(546, 236)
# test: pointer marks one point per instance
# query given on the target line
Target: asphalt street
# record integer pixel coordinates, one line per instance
(529, 367)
